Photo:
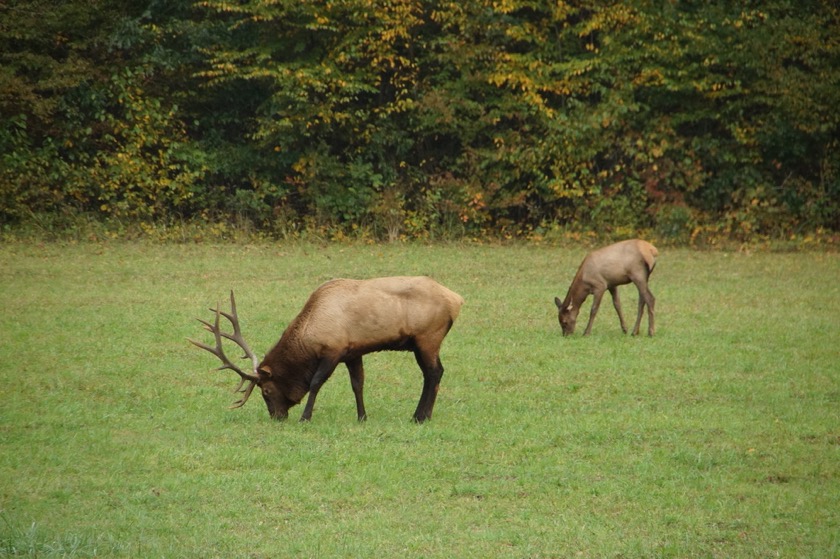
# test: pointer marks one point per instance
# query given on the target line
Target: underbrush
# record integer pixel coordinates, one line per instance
(79, 227)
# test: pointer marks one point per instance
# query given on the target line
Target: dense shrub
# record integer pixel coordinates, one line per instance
(426, 119)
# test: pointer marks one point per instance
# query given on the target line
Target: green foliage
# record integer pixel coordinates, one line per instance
(144, 169)
(417, 118)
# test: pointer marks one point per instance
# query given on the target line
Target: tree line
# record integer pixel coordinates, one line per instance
(425, 118)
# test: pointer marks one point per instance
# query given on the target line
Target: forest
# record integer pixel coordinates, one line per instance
(409, 119)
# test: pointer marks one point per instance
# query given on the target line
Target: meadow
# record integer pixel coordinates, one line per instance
(718, 437)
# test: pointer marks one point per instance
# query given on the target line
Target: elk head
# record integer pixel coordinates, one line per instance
(275, 399)
(567, 316)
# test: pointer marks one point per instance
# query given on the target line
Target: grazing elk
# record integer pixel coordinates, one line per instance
(606, 269)
(343, 320)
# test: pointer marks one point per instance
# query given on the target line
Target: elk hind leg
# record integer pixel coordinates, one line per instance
(646, 298)
(429, 362)
(650, 301)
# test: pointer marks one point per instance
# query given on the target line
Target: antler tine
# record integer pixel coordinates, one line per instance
(218, 349)
(237, 336)
(239, 386)
(241, 340)
(247, 392)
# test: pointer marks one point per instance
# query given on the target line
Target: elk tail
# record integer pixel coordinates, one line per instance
(649, 253)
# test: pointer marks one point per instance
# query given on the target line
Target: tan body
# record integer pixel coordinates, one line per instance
(604, 270)
(345, 319)
(342, 321)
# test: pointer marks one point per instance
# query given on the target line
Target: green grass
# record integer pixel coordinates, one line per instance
(720, 437)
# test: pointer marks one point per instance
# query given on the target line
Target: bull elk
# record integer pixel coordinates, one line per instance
(342, 321)
(605, 269)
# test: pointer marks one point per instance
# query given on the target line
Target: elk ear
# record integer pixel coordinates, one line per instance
(558, 302)
(264, 371)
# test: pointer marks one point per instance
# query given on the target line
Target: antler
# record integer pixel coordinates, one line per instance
(219, 352)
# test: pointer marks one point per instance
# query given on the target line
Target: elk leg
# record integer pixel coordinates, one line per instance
(617, 305)
(596, 302)
(639, 314)
(357, 382)
(432, 368)
(645, 298)
(322, 373)
(650, 301)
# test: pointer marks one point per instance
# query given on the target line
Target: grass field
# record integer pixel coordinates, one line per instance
(719, 437)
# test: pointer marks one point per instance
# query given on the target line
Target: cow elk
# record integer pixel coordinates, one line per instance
(342, 321)
(606, 269)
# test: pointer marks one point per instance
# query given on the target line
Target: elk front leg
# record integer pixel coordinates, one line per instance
(617, 305)
(357, 382)
(322, 373)
(596, 302)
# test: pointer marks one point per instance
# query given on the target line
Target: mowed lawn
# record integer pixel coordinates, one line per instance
(719, 437)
